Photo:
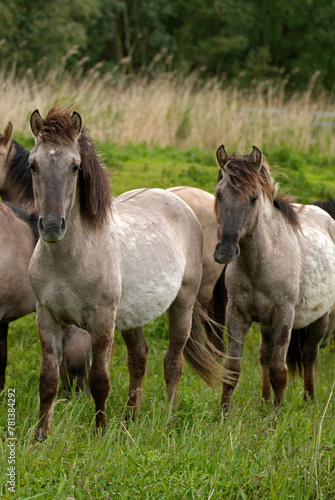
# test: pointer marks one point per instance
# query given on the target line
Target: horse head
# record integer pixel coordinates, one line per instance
(237, 192)
(54, 163)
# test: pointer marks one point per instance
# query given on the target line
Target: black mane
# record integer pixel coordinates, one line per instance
(327, 206)
(19, 175)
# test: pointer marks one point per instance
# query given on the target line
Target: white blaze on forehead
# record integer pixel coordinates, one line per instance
(52, 152)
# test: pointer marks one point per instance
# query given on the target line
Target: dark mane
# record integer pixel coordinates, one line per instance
(328, 206)
(95, 192)
(30, 218)
(18, 174)
(245, 178)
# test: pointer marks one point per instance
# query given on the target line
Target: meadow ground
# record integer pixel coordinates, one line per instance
(258, 451)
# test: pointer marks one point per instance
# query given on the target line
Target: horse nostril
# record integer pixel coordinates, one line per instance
(40, 224)
(63, 227)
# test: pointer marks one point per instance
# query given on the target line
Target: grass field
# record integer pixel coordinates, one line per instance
(257, 452)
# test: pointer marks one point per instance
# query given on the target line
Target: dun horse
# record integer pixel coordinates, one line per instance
(16, 187)
(103, 265)
(280, 272)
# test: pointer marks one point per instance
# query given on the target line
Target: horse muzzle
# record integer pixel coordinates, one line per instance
(52, 228)
(225, 253)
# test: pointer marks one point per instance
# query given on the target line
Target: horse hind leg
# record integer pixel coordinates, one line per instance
(137, 351)
(217, 311)
(310, 350)
(180, 323)
(3, 353)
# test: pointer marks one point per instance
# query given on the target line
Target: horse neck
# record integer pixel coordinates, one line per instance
(258, 242)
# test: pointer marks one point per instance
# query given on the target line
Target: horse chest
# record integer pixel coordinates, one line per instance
(259, 298)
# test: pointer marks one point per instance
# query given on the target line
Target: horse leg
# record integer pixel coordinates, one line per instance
(331, 328)
(265, 355)
(281, 339)
(237, 327)
(137, 350)
(217, 311)
(51, 346)
(310, 351)
(3, 353)
(180, 322)
(98, 377)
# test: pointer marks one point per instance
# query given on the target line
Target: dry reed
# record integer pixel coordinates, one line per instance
(174, 111)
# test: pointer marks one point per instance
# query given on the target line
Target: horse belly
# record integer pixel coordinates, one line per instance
(148, 299)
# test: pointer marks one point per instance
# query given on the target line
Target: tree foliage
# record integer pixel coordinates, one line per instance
(248, 40)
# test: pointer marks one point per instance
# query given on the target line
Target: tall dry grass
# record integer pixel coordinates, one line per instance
(174, 111)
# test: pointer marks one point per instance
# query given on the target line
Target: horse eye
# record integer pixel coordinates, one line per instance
(218, 196)
(253, 199)
(75, 168)
(32, 167)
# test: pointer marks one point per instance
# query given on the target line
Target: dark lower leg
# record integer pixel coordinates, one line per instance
(98, 377)
(137, 350)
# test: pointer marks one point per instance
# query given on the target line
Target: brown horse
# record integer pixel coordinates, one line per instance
(17, 242)
(104, 264)
(280, 272)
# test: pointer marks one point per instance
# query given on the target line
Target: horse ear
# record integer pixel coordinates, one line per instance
(256, 157)
(36, 122)
(222, 156)
(77, 122)
(7, 133)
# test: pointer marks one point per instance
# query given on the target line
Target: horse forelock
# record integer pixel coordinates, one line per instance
(57, 126)
(245, 178)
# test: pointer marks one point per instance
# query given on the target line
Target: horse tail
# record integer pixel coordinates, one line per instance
(294, 353)
(200, 353)
(217, 312)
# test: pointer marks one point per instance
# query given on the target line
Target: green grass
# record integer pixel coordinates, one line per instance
(259, 451)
